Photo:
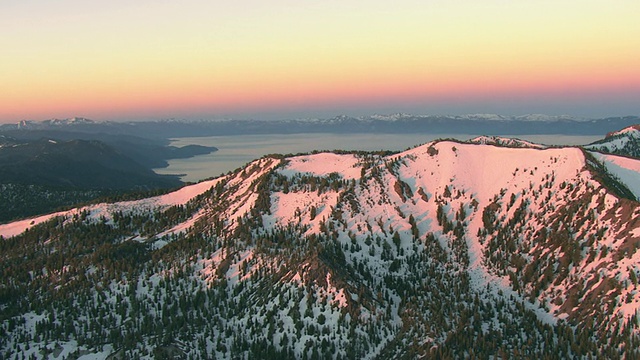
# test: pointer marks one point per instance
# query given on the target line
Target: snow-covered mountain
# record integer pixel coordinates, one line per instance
(545, 117)
(392, 123)
(447, 250)
(505, 142)
(75, 121)
(391, 117)
(622, 142)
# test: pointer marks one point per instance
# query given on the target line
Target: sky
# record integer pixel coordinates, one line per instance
(201, 59)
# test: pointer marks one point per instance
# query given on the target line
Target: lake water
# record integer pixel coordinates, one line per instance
(236, 151)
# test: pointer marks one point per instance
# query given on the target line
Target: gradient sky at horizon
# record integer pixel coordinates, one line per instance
(129, 60)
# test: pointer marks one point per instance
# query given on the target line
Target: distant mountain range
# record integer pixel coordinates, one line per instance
(492, 248)
(395, 123)
(76, 121)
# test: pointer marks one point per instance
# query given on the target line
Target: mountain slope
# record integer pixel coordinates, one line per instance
(447, 250)
(623, 142)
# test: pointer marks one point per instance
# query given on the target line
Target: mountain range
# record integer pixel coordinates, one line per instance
(493, 248)
(390, 124)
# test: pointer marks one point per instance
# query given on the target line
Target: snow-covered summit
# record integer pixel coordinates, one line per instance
(490, 117)
(505, 142)
(545, 117)
(31, 124)
(630, 131)
(391, 117)
(621, 142)
(69, 121)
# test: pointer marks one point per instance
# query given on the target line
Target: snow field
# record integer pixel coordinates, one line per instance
(322, 164)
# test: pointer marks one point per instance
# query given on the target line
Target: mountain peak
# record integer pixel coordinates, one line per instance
(493, 117)
(630, 131)
(69, 121)
(622, 142)
(34, 125)
(505, 142)
(391, 117)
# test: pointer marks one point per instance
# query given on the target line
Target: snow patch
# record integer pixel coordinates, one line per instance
(323, 164)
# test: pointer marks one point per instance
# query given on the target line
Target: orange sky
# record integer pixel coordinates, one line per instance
(112, 60)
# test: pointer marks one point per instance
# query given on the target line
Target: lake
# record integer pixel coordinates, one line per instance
(236, 151)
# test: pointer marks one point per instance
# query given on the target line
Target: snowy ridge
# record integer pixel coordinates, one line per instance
(391, 117)
(526, 117)
(631, 131)
(506, 142)
(179, 197)
(544, 117)
(30, 124)
(622, 142)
